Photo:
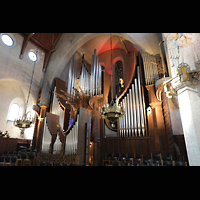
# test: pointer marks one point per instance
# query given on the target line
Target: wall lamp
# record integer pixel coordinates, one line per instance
(185, 75)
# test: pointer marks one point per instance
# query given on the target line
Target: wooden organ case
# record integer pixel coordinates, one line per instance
(67, 127)
(136, 132)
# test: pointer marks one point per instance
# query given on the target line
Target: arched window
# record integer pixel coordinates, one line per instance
(13, 112)
(119, 78)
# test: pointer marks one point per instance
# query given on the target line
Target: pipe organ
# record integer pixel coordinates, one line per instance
(74, 141)
(96, 79)
(71, 78)
(132, 123)
(56, 108)
(90, 84)
(84, 81)
(71, 143)
(150, 68)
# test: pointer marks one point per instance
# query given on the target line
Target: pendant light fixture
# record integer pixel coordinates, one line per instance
(111, 111)
(24, 122)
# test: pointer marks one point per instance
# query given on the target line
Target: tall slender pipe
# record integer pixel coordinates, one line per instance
(94, 73)
(97, 75)
(131, 112)
(100, 82)
(137, 107)
(124, 118)
(141, 103)
(128, 115)
(120, 124)
(92, 77)
(134, 110)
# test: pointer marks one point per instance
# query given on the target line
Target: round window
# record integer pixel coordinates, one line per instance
(32, 55)
(7, 40)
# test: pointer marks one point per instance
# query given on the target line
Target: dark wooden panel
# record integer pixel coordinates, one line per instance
(180, 141)
(52, 122)
(139, 145)
(10, 144)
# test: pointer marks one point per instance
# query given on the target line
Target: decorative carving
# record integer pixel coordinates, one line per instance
(55, 158)
(80, 100)
(182, 48)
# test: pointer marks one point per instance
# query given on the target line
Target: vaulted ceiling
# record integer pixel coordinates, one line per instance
(47, 42)
(102, 44)
(148, 42)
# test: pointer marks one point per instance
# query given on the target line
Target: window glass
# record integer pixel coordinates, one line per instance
(32, 55)
(7, 40)
(119, 80)
(13, 112)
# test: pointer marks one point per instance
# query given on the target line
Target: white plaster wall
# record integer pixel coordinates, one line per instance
(189, 109)
(175, 118)
(13, 91)
(15, 76)
(21, 69)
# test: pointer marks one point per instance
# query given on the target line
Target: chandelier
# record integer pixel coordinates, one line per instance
(25, 122)
(111, 111)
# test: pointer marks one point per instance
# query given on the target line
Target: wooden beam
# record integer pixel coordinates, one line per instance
(48, 53)
(24, 44)
(46, 59)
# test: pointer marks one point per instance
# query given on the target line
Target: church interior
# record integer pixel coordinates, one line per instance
(99, 99)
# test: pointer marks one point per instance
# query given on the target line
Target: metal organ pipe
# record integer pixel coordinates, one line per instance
(92, 76)
(96, 77)
(71, 143)
(128, 113)
(137, 107)
(95, 81)
(134, 110)
(132, 123)
(99, 79)
(84, 80)
(141, 103)
(131, 111)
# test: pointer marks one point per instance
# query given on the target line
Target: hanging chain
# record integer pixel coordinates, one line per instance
(111, 68)
(32, 77)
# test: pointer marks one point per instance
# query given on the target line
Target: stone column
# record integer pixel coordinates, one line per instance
(44, 103)
(185, 47)
(189, 104)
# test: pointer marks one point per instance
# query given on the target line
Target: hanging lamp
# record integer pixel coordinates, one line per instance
(111, 111)
(24, 122)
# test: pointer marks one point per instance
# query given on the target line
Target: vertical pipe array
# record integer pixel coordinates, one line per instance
(150, 68)
(71, 78)
(131, 112)
(137, 107)
(46, 138)
(134, 110)
(141, 103)
(99, 92)
(92, 77)
(71, 143)
(128, 113)
(95, 81)
(132, 123)
(84, 80)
